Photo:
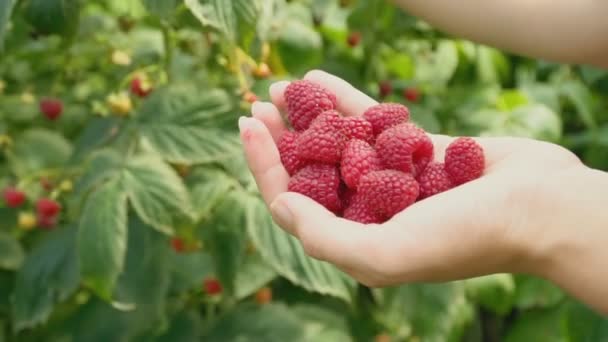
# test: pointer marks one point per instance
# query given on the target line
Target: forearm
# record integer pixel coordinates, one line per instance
(573, 246)
(565, 31)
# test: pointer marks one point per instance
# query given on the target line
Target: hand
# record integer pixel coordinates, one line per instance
(494, 224)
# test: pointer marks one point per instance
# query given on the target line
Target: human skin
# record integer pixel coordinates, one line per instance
(536, 210)
(557, 30)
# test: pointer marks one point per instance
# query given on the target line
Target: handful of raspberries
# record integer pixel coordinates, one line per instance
(366, 169)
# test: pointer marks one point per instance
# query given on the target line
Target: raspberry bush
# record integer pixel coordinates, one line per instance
(128, 212)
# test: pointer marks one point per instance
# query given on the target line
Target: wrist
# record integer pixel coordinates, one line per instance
(568, 239)
(548, 216)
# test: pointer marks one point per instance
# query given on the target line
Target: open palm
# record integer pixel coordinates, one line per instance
(485, 226)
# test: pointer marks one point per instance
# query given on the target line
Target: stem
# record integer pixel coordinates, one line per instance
(210, 311)
(168, 40)
(371, 49)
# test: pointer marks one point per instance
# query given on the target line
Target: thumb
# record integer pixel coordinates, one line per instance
(293, 212)
(322, 234)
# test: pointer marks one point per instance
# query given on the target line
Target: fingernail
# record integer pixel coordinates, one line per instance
(277, 85)
(281, 213)
(256, 107)
(245, 123)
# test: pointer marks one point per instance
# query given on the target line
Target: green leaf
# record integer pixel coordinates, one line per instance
(53, 16)
(156, 192)
(252, 275)
(48, 276)
(95, 321)
(492, 65)
(6, 8)
(103, 166)
(425, 118)
(102, 238)
(144, 284)
(511, 99)
(299, 46)
(180, 124)
(140, 293)
(161, 8)
(542, 93)
(97, 132)
(446, 60)
(532, 121)
(494, 292)
(204, 12)
(189, 270)
(226, 17)
(268, 323)
(534, 292)
(585, 325)
(267, 15)
(208, 186)
(321, 324)
(38, 149)
(539, 326)
(591, 74)
(225, 237)
(7, 283)
(11, 253)
(285, 254)
(184, 327)
(435, 312)
(400, 65)
(582, 98)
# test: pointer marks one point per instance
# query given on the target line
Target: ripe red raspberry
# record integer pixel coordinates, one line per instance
(434, 180)
(358, 159)
(212, 286)
(322, 142)
(411, 94)
(357, 128)
(330, 120)
(305, 101)
(46, 222)
(351, 127)
(346, 194)
(464, 160)
(321, 183)
(141, 87)
(47, 207)
(354, 39)
(178, 245)
(388, 192)
(360, 211)
(386, 115)
(51, 108)
(289, 156)
(386, 88)
(13, 198)
(263, 296)
(405, 148)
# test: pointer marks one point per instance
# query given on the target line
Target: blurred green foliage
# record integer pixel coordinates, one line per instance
(157, 200)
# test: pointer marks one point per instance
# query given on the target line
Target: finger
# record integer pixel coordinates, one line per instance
(270, 116)
(351, 101)
(437, 250)
(263, 158)
(323, 235)
(440, 143)
(495, 149)
(276, 91)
